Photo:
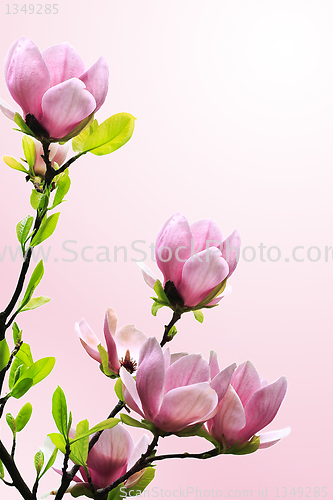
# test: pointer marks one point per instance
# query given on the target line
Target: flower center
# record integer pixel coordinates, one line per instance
(128, 363)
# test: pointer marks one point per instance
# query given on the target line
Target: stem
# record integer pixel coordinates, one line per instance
(6, 368)
(68, 477)
(17, 479)
(168, 327)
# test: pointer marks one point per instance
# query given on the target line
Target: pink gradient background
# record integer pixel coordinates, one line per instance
(234, 106)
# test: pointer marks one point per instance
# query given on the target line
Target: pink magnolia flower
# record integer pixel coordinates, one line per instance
(53, 87)
(194, 259)
(173, 392)
(123, 346)
(249, 404)
(58, 154)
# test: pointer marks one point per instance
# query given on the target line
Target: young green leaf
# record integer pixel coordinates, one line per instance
(23, 416)
(158, 289)
(23, 126)
(59, 411)
(17, 333)
(79, 140)
(11, 422)
(59, 441)
(64, 184)
(33, 283)
(155, 307)
(39, 370)
(35, 302)
(46, 229)
(105, 361)
(110, 135)
(23, 229)
(126, 419)
(24, 355)
(16, 165)
(199, 316)
(4, 354)
(15, 372)
(21, 387)
(106, 424)
(2, 472)
(28, 146)
(118, 389)
(39, 461)
(50, 462)
(80, 448)
(35, 199)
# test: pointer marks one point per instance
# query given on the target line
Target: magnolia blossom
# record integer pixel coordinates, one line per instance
(123, 346)
(58, 154)
(195, 259)
(173, 392)
(53, 86)
(249, 404)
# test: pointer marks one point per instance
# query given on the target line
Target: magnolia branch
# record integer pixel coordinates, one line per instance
(167, 328)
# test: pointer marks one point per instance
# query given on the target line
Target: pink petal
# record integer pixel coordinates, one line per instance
(187, 370)
(129, 338)
(245, 381)
(63, 63)
(64, 106)
(173, 248)
(139, 449)
(108, 459)
(150, 377)
(60, 153)
(110, 325)
(7, 110)
(147, 274)
(221, 381)
(206, 234)
(213, 364)
(88, 339)
(96, 80)
(226, 291)
(27, 76)
(231, 250)
(229, 419)
(201, 273)
(186, 406)
(262, 408)
(268, 439)
(130, 392)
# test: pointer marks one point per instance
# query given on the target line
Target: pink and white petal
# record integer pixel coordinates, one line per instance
(129, 338)
(185, 406)
(64, 106)
(110, 326)
(221, 381)
(108, 459)
(231, 250)
(147, 274)
(7, 110)
(139, 449)
(130, 392)
(268, 439)
(262, 408)
(245, 381)
(27, 76)
(173, 248)
(213, 364)
(63, 63)
(187, 370)
(150, 377)
(96, 80)
(263, 382)
(206, 234)
(60, 153)
(88, 339)
(201, 273)
(229, 419)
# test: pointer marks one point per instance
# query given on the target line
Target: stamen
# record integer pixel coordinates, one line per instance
(128, 363)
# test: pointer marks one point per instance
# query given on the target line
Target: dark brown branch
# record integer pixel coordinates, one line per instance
(167, 328)
(17, 479)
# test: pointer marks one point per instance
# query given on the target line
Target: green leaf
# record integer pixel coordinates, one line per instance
(2, 472)
(11, 422)
(118, 389)
(78, 128)
(105, 362)
(24, 355)
(23, 229)
(28, 146)
(201, 432)
(132, 422)
(23, 416)
(59, 441)
(35, 302)
(79, 140)
(39, 370)
(158, 289)
(110, 135)
(50, 462)
(23, 126)
(64, 184)
(46, 229)
(15, 372)
(21, 387)
(105, 424)
(80, 448)
(33, 283)
(17, 333)
(155, 307)
(199, 316)
(78, 491)
(69, 424)
(59, 411)
(4, 354)
(16, 165)
(245, 448)
(35, 199)
(39, 461)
